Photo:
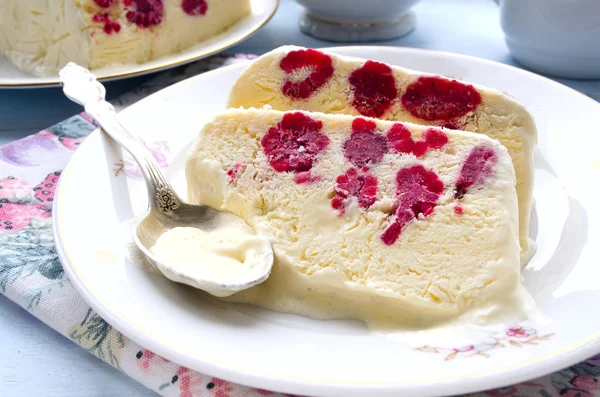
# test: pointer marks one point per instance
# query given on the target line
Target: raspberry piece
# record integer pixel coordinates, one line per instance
(373, 88)
(234, 171)
(401, 140)
(355, 183)
(108, 26)
(104, 3)
(435, 139)
(321, 71)
(305, 177)
(16, 216)
(478, 166)
(436, 98)
(11, 187)
(459, 209)
(144, 13)
(365, 146)
(295, 143)
(417, 192)
(194, 7)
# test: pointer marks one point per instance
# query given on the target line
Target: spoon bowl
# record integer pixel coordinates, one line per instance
(155, 224)
(166, 210)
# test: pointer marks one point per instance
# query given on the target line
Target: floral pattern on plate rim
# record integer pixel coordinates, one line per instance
(512, 337)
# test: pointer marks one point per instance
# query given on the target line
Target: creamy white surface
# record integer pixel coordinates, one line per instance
(228, 256)
(443, 266)
(41, 36)
(498, 116)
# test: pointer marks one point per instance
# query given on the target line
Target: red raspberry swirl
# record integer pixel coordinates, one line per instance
(355, 183)
(293, 145)
(373, 89)
(401, 140)
(365, 145)
(436, 98)
(417, 192)
(321, 68)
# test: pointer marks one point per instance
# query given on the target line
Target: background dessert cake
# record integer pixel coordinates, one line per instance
(42, 36)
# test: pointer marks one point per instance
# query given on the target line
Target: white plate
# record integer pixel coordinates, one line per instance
(262, 11)
(341, 358)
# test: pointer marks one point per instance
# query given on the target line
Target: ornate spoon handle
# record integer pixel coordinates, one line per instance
(81, 86)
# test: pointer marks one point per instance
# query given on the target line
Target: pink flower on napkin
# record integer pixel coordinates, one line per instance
(146, 359)
(586, 382)
(71, 143)
(17, 209)
(192, 384)
(582, 385)
(13, 188)
(16, 216)
(44, 192)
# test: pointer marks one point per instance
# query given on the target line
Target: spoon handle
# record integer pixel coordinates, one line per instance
(81, 86)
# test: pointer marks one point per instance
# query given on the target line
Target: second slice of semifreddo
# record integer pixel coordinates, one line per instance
(292, 77)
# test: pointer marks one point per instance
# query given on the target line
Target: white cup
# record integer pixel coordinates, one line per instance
(357, 20)
(555, 37)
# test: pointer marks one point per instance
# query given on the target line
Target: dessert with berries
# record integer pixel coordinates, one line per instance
(300, 78)
(368, 219)
(42, 36)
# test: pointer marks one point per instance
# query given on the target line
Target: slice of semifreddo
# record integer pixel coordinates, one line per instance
(292, 77)
(41, 37)
(368, 219)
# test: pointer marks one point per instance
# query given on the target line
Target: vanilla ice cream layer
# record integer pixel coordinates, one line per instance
(368, 219)
(298, 78)
(41, 36)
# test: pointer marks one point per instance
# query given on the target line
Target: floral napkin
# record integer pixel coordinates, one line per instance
(32, 276)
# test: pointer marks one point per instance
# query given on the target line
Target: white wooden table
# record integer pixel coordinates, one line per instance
(35, 360)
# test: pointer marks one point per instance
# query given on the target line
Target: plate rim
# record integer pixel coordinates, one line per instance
(138, 70)
(473, 382)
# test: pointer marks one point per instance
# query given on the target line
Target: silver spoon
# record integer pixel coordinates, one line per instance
(166, 210)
